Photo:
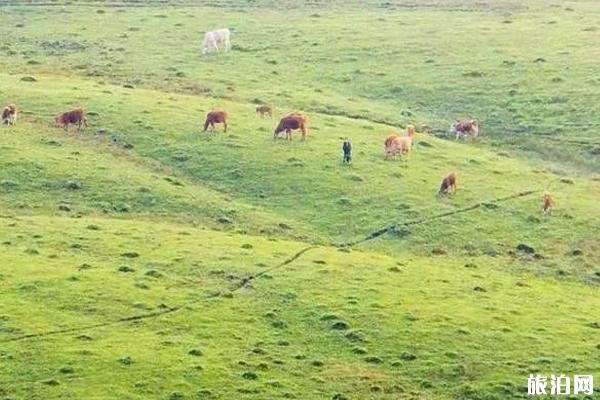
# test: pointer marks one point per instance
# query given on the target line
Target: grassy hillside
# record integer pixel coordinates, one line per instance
(525, 70)
(145, 259)
(85, 317)
(301, 182)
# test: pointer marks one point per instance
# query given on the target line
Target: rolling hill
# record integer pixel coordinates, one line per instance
(144, 258)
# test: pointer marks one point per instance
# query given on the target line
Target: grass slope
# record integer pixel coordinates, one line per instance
(398, 63)
(146, 259)
(305, 183)
(359, 324)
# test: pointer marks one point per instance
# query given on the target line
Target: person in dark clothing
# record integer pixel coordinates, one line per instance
(347, 148)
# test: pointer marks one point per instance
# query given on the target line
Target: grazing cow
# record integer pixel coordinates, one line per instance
(213, 39)
(347, 149)
(547, 203)
(216, 117)
(264, 110)
(424, 128)
(292, 121)
(76, 116)
(9, 115)
(465, 128)
(448, 184)
(395, 144)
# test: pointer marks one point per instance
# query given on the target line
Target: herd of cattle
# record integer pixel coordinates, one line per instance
(394, 143)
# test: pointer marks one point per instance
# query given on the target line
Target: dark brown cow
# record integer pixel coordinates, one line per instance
(448, 184)
(292, 121)
(9, 115)
(216, 117)
(264, 110)
(75, 117)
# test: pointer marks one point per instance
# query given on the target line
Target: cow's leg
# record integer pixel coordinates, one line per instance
(225, 124)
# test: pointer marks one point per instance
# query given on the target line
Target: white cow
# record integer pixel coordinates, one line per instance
(212, 39)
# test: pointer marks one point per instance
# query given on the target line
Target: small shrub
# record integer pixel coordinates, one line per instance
(175, 396)
(73, 185)
(522, 247)
(340, 325)
(66, 370)
(355, 336)
(250, 375)
(125, 360)
(195, 352)
(154, 273)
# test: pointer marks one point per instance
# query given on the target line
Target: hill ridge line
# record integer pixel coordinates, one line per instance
(243, 283)
(472, 207)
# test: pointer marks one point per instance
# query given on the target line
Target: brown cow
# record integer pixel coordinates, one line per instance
(424, 128)
(9, 115)
(465, 128)
(264, 110)
(216, 117)
(292, 121)
(547, 203)
(448, 184)
(76, 116)
(395, 144)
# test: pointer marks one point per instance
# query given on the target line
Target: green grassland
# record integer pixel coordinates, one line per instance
(145, 259)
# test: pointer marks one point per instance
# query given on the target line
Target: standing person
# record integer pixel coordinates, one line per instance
(347, 149)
